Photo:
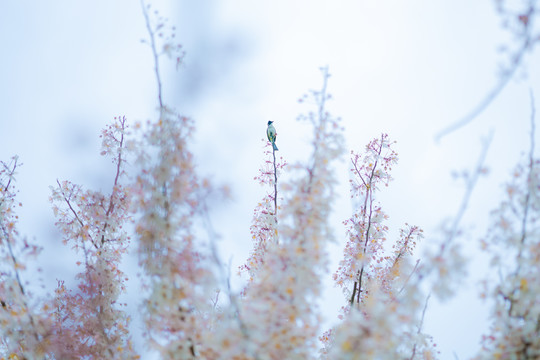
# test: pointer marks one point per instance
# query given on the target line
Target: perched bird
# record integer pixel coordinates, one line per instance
(271, 134)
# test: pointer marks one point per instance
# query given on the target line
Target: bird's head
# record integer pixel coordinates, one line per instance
(269, 122)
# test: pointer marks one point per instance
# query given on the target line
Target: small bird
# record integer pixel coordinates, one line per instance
(271, 134)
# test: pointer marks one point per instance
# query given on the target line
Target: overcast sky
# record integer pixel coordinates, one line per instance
(405, 67)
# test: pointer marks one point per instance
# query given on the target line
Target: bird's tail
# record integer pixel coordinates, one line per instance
(275, 147)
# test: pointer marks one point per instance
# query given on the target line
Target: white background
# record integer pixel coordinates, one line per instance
(405, 67)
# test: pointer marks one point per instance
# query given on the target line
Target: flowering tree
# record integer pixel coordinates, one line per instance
(157, 205)
(264, 228)
(514, 247)
(21, 322)
(281, 299)
(90, 322)
(381, 304)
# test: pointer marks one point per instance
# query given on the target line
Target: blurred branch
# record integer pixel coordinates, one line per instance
(155, 54)
(118, 159)
(471, 181)
(10, 173)
(486, 101)
(420, 326)
(225, 278)
(524, 33)
(526, 206)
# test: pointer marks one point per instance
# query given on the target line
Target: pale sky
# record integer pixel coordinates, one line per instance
(405, 67)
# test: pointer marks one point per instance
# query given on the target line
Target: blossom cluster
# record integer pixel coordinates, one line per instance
(21, 324)
(264, 231)
(382, 318)
(158, 201)
(90, 321)
(366, 230)
(276, 315)
(87, 322)
(167, 194)
(514, 248)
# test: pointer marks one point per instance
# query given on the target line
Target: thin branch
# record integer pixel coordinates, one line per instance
(370, 194)
(115, 185)
(14, 259)
(529, 181)
(10, 172)
(275, 182)
(471, 182)
(403, 248)
(20, 284)
(212, 235)
(358, 173)
(420, 326)
(355, 285)
(320, 99)
(409, 277)
(490, 97)
(357, 288)
(68, 202)
(323, 98)
(154, 51)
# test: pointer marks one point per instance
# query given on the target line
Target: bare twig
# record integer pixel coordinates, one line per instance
(529, 180)
(320, 98)
(420, 326)
(409, 277)
(490, 97)
(471, 183)
(212, 235)
(151, 33)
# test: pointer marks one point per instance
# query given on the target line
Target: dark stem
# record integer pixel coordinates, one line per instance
(115, 185)
(353, 293)
(369, 196)
(275, 182)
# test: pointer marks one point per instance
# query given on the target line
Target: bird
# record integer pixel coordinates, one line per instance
(271, 134)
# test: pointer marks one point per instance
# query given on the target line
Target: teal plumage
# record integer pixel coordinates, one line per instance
(271, 134)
